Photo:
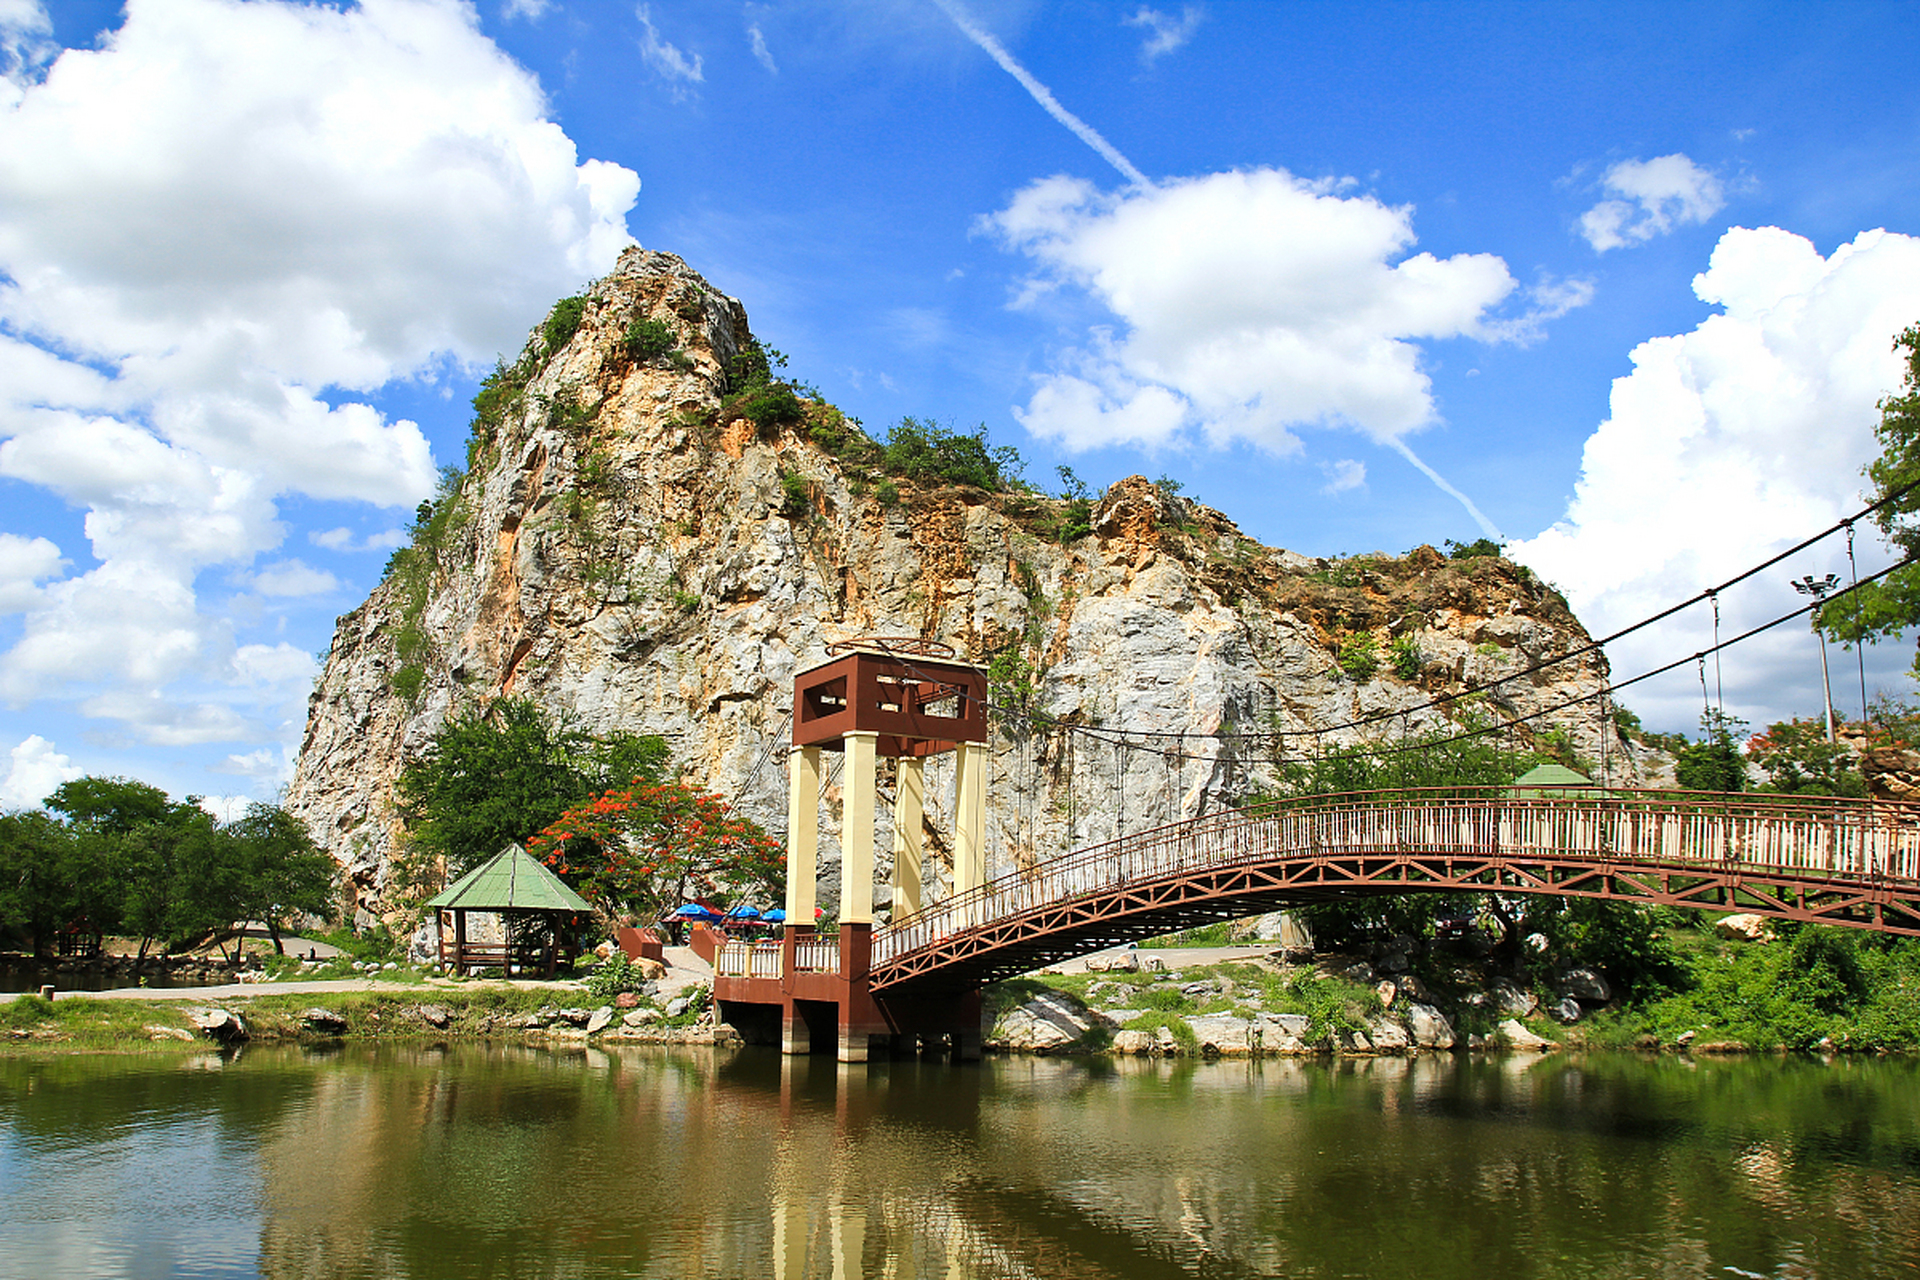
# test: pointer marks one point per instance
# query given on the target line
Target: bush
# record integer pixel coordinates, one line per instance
(614, 975)
(796, 495)
(1714, 763)
(927, 453)
(1406, 657)
(408, 681)
(773, 407)
(648, 339)
(563, 322)
(1076, 521)
(1360, 657)
(1332, 1007)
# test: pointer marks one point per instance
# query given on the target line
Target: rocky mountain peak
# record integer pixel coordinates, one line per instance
(655, 532)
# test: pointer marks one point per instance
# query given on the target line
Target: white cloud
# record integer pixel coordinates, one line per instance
(1730, 443)
(757, 40)
(125, 622)
(279, 664)
(531, 10)
(1344, 475)
(24, 28)
(225, 808)
(168, 722)
(24, 562)
(1548, 299)
(342, 539)
(1165, 33)
(1249, 304)
(34, 772)
(268, 766)
(1652, 197)
(220, 223)
(677, 68)
(293, 578)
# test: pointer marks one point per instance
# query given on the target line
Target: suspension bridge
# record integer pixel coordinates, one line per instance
(1828, 861)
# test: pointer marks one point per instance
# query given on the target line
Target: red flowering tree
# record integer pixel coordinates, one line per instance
(654, 846)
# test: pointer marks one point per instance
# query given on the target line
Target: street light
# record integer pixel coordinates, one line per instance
(1818, 588)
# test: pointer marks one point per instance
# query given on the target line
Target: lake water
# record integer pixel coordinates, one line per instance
(478, 1161)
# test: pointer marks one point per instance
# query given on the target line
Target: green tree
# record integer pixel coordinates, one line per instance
(1714, 763)
(1625, 941)
(497, 774)
(132, 847)
(36, 851)
(1444, 758)
(114, 806)
(1883, 609)
(175, 878)
(1799, 760)
(282, 874)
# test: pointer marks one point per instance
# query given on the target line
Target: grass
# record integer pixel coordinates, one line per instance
(1206, 935)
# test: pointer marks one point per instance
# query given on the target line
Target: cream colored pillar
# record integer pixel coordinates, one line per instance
(909, 803)
(970, 817)
(803, 831)
(856, 829)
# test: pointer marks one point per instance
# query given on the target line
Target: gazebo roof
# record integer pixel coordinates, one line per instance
(1553, 779)
(511, 880)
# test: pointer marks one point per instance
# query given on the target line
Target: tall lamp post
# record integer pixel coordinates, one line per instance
(1818, 588)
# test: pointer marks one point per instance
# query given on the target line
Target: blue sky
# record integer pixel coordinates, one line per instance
(1623, 277)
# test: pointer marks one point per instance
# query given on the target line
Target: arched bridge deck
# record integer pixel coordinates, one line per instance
(1841, 862)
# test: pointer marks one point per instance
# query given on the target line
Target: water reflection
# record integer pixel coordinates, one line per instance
(509, 1161)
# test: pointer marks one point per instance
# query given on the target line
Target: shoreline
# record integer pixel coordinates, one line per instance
(368, 1010)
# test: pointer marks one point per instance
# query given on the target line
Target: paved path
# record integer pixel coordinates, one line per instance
(1172, 957)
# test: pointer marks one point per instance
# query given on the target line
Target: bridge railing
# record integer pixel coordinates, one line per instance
(1827, 838)
(816, 955)
(738, 958)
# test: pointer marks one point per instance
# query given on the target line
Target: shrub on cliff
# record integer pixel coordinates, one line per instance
(923, 451)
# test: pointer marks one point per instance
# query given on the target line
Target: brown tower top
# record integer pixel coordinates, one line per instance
(919, 704)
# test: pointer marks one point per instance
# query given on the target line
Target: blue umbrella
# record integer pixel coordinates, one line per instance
(694, 911)
(744, 912)
(776, 916)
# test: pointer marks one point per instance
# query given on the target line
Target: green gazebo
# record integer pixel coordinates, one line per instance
(529, 900)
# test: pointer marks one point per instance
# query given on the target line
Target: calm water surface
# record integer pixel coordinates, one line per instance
(512, 1162)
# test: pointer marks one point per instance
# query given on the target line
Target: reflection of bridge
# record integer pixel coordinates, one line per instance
(1838, 862)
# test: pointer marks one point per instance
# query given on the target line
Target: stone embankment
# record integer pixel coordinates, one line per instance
(1255, 1001)
(318, 1012)
(122, 970)
(1145, 1008)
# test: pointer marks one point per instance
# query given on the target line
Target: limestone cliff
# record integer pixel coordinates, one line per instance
(640, 543)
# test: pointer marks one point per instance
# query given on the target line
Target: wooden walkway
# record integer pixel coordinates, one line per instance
(1832, 861)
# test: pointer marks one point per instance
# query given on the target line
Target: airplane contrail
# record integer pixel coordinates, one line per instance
(1041, 94)
(1479, 518)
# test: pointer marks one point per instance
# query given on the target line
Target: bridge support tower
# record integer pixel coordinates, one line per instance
(884, 698)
